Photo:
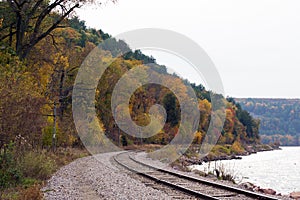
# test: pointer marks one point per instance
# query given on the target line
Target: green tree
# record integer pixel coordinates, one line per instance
(171, 109)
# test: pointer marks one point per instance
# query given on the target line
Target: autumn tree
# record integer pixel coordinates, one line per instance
(21, 104)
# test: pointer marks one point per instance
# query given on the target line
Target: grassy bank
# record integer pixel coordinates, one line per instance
(22, 174)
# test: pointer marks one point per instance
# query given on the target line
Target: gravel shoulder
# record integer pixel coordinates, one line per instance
(95, 177)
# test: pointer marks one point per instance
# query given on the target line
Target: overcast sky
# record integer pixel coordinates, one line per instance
(255, 44)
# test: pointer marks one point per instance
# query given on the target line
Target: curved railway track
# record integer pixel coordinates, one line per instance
(196, 187)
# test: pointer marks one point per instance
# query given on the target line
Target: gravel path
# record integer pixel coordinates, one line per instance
(97, 178)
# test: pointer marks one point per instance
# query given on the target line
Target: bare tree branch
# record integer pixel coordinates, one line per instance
(8, 35)
(34, 40)
(30, 17)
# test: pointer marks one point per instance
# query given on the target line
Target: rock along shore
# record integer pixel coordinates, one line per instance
(251, 149)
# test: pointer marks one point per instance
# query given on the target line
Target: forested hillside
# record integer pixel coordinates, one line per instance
(280, 119)
(41, 51)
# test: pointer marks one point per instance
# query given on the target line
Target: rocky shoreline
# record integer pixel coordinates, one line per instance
(251, 149)
(269, 191)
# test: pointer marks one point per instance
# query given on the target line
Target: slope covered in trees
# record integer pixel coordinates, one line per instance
(50, 70)
(37, 73)
(280, 119)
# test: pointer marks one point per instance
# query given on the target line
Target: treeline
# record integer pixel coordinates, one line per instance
(280, 118)
(283, 140)
(37, 72)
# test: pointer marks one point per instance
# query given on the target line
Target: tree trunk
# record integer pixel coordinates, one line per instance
(19, 34)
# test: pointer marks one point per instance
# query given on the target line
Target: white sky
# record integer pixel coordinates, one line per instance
(255, 44)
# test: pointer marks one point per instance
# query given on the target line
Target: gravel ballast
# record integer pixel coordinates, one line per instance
(95, 177)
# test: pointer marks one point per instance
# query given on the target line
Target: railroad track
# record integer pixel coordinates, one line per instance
(196, 187)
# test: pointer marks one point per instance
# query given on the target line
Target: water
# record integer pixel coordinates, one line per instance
(279, 170)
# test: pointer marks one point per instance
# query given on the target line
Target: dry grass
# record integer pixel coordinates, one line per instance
(37, 167)
(31, 193)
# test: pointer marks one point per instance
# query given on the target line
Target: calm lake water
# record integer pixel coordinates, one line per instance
(279, 170)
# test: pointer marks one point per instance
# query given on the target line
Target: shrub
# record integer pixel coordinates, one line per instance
(237, 148)
(31, 193)
(124, 140)
(224, 173)
(219, 149)
(10, 174)
(37, 165)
